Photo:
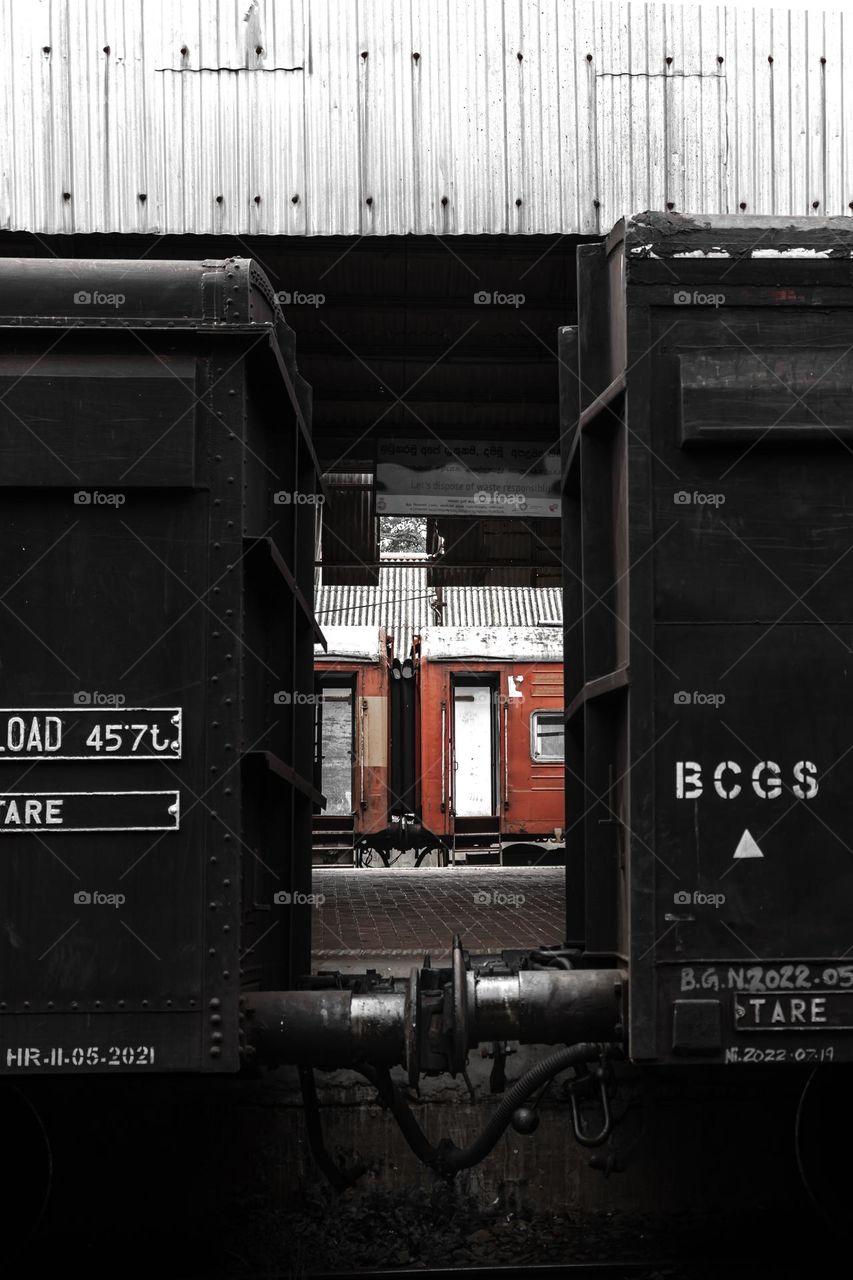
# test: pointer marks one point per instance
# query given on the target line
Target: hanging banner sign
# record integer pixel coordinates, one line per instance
(430, 477)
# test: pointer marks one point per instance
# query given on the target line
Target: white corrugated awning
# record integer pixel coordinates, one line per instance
(323, 117)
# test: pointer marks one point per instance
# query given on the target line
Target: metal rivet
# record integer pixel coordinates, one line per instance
(107, 49)
(589, 57)
(45, 48)
(720, 59)
(364, 53)
(742, 204)
(369, 200)
(184, 50)
(215, 1003)
(518, 202)
(668, 61)
(66, 195)
(417, 57)
(215, 1052)
(257, 199)
(294, 199)
(142, 197)
(815, 204)
(219, 199)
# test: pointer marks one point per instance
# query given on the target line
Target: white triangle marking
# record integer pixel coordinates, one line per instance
(747, 848)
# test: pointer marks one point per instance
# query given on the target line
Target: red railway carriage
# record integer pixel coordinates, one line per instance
(352, 739)
(490, 741)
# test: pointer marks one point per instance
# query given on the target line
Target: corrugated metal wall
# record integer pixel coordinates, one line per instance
(361, 117)
(404, 605)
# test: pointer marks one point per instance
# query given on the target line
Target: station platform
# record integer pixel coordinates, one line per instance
(388, 920)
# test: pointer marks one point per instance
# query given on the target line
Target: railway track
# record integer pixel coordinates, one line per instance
(648, 1270)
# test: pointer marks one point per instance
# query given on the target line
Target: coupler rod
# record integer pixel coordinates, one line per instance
(430, 1022)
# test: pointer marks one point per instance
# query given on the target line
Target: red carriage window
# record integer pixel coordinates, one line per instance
(546, 736)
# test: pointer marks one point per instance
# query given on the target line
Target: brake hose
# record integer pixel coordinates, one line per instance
(447, 1158)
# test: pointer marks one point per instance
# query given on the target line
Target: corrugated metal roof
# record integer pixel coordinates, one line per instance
(323, 117)
(404, 605)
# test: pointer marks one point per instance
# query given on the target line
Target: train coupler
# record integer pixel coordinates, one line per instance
(592, 1084)
(430, 1022)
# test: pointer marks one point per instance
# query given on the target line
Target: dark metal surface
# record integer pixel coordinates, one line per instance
(709, 624)
(119, 293)
(138, 467)
(544, 1271)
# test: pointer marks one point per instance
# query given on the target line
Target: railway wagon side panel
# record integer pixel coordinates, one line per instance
(353, 726)
(712, 446)
(491, 732)
(435, 747)
(149, 619)
(532, 748)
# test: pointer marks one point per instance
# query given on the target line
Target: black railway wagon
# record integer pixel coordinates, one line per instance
(708, 526)
(156, 583)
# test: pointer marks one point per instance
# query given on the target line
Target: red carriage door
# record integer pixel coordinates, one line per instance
(336, 729)
(474, 771)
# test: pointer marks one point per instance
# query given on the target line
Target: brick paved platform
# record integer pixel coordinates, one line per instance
(387, 920)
